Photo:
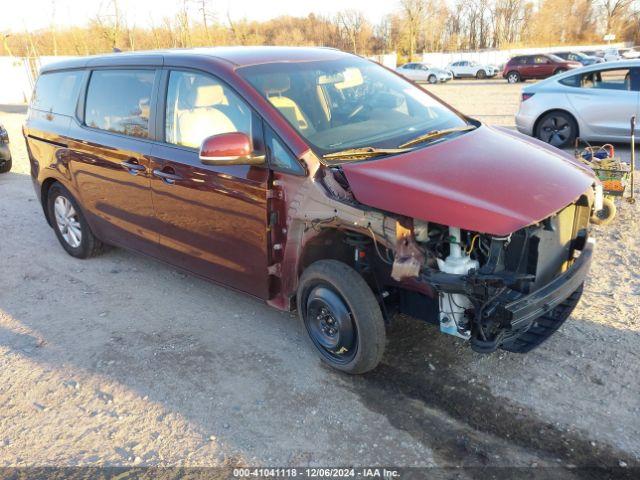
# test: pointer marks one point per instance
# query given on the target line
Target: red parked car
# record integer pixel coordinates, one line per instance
(527, 67)
(319, 181)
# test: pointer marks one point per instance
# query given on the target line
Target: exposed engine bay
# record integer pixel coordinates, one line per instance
(507, 292)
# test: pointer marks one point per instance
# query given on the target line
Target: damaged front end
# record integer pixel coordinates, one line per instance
(510, 292)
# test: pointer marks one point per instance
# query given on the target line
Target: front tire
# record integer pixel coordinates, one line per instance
(342, 317)
(558, 129)
(69, 224)
(481, 75)
(432, 79)
(6, 166)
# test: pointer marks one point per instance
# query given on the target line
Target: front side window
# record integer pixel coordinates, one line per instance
(349, 103)
(119, 101)
(279, 156)
(540, 60)
(57, 92)
(199, 106)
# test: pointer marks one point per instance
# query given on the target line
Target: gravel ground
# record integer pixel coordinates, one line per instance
(121, 360)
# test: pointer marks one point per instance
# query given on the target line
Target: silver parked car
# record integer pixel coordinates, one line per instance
(594, 103)
(423, 72)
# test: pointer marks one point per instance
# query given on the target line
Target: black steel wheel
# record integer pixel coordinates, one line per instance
(558, 129)
(341, 316)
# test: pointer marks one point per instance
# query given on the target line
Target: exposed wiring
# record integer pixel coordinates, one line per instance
(375, 244)
(473, 242)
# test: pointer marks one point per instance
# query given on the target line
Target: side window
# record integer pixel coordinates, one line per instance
(618, 79)
(279, 156)
(540, 59)
(199, 106)
(528, 60)
(572, 81)
(119, 101)
(57, 92)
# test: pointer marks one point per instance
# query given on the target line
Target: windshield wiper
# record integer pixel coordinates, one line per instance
(363, 152)
(435, 134)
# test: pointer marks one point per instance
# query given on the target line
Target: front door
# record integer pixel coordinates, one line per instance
(212, 220)
(109, 157)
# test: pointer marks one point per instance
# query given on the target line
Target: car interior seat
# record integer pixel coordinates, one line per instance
(205, 115)
(274, 86)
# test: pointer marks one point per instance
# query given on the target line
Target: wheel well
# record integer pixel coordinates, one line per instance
(328, 244)
(44, 196)
(542, 115)
(513, 71)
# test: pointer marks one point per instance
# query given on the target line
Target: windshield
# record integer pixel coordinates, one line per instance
(349, 103)
(555, 58)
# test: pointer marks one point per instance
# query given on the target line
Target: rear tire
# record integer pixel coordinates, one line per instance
(513, 77)
(69, 224)
(557, 128)
(6, 166)
(342, 317)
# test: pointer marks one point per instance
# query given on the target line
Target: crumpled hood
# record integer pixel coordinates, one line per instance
(490, 180)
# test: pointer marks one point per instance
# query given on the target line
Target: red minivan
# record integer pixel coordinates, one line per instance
(528, 67)
(319, 181)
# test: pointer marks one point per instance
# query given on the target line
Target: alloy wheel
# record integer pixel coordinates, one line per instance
(67, 221)
(555, 130)
(513, 78)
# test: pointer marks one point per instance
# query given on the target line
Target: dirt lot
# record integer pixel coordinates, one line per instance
(122, 360)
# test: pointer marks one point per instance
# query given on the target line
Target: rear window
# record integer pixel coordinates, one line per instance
(57, 92)
(119, 101)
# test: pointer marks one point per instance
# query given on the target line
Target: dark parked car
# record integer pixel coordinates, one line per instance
(5, 152)
(526, 67)
(579, 57)
(319, 181)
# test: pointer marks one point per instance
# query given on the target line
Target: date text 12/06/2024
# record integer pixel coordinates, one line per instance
(315, 473)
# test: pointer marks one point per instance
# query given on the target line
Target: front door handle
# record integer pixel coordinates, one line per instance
(167, 174)
(133, 167)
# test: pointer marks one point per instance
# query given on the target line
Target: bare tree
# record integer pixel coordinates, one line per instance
(351, 23)
(414, 13)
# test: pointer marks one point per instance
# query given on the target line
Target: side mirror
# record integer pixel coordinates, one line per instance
(232, 148)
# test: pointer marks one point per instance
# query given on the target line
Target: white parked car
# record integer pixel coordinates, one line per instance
(423, 72)
(612, 55)
(471, 69)
(595, 103)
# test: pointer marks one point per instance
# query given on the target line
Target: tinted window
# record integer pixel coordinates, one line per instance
(279, 156)
(119, 101)
(615, 79)
(57, 92)
(199, 106)
(540, 59)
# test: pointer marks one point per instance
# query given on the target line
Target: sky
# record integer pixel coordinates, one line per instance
(24, 15)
